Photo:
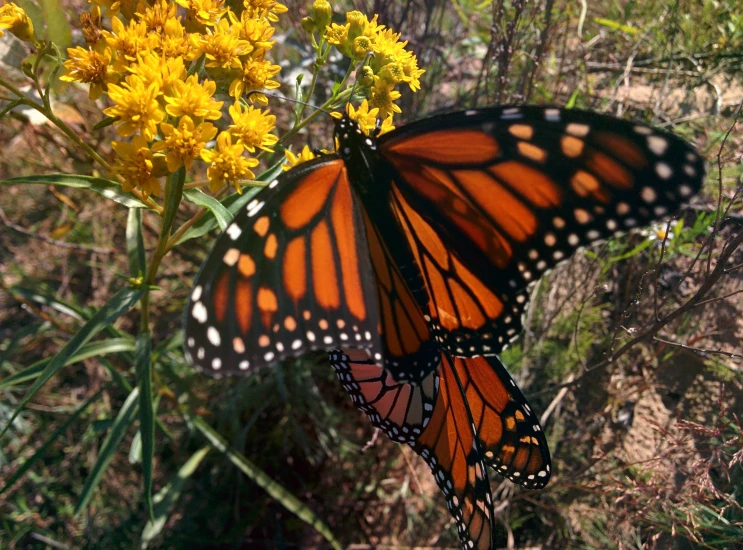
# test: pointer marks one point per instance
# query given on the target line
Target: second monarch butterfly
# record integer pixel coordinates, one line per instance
(409, 258)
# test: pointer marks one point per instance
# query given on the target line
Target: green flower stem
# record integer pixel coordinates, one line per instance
(173, 195)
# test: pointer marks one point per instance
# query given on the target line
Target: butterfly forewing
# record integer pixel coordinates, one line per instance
(490, 199)
(290, 274)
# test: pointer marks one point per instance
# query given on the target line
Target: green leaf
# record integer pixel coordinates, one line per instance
(262, 479)
(173, 195)
(222, 215)
(233, 203)
(123, 420)
(48, 300)
(146, 415)
(168, 496)
(108, 121)
(572, 99)
(107, 188)
(40, 452)
(119, 304)
(93, 349)
(634, 252)
(135, 243)
(58, 29)
(613, 25)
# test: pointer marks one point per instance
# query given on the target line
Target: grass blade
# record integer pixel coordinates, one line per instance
(123, 420)
(42, 450)
(285, 498)
(107, 188)
(146, 415)
(168, 496)
(119, 304)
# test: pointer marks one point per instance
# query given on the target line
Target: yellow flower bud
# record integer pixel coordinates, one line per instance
(358, 23)
(322, 13)
(16, 21)
(366, 77)
(308, 24)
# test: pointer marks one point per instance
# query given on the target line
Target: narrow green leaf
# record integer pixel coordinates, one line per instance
(123, 420)
(119, 304)
(92, 349)
(108, 121)
(41, 451)
(262, 479)
(107, 188)
(57, 27)
(634, 252)
(222, 215)
(146, 415)
(173, 195)
(613, 25)
(135, 243)
(168, 496)
(572, 99)
(233, 203)
(48, 300)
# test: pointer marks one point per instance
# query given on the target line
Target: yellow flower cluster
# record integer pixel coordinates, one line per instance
(390, 65)
(161, 64)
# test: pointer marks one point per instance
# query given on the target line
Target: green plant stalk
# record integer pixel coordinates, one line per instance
(173, 195)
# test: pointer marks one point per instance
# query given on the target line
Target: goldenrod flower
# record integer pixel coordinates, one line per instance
(227, 163)
(184, 143)
(256, 75)
(202, 13)
(161, 70)
(386, 126)
(113, 7)
(136, 107)
(356, 38)
(128, 41)
(194, 99)
(223, 46)
(16, 21)
(292, 160)
(90, 66)
(251, 128)
(157, 15)
(270, 9)
(383, 95)
(137, 165)
(256, 30)
(365, 117)
(174, 41)
(91, 26)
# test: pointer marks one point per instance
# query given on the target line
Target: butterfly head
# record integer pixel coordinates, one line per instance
(352, 139)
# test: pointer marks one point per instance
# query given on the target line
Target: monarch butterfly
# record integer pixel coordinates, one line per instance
(409, 258)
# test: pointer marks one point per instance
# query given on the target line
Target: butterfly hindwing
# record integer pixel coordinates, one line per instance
(490, 199)
(290, 274)
(467, 414)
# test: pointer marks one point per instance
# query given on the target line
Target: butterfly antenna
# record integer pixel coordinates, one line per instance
(290, 99)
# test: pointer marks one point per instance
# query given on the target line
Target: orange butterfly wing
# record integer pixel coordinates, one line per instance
(490, 199)
(466, 415)
(290, 274)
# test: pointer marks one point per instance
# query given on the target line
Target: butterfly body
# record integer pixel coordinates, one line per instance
(409, 258)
